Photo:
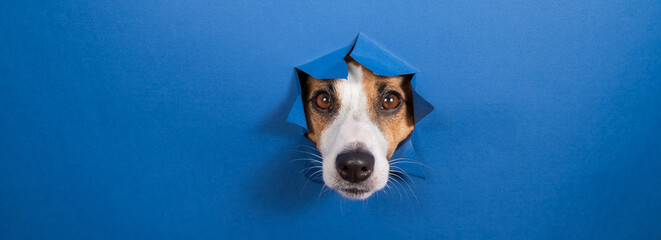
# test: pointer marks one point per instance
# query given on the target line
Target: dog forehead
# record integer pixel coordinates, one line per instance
(350, 91)
(355, 72)
(361, 77)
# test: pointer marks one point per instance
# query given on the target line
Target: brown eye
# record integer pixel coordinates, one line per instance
(390, 101)
(324, 101)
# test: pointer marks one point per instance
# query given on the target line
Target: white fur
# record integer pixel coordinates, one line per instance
(353, 125)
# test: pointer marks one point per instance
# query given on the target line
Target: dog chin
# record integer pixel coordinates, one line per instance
(355, 193)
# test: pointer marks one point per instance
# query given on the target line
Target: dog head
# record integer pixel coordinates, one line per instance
(357, 124)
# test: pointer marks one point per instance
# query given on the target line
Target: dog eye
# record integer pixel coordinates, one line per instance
(324, 100)
(390, 101)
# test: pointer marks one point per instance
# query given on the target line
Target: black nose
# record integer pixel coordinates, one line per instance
(355, 166)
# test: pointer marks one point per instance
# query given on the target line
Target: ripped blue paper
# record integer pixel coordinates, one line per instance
(332, 66)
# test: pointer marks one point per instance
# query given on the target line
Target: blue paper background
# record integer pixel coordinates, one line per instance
(166, 120)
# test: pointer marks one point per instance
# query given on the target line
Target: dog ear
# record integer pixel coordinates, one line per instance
(408, 92)
(407, 77)
(304, 81)
(407, 85)
(348, 59)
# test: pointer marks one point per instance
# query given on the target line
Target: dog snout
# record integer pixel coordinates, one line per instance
(355, 166)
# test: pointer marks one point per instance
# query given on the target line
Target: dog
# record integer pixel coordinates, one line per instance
(356, 124)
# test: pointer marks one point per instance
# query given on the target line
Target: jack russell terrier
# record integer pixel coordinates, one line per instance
(357, 123)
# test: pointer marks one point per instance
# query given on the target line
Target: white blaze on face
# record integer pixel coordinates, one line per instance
(352, 126)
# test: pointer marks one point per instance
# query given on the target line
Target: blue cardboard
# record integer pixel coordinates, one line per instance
(375, 58)
(167, 119)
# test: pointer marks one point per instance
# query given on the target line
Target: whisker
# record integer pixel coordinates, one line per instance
(304, 185)
(315, 173)
(312, 176)
(401, 171)
(417, 163)
(409, 186)
(407, 177)
(407, 161)
(393, 166)
(309, 169)
(306, 159)
(398, 192)
(394, 159)
(402, 186)
(412, 192)
(397, 167)
(403, 159)
(397, 182)
(322, 190)
(398, 159)
(396, 175)
(308, 146)
(308, 153)
(388, 193)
